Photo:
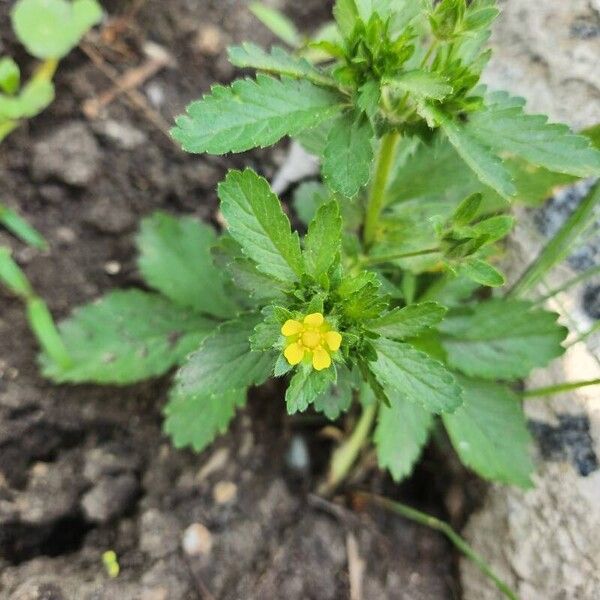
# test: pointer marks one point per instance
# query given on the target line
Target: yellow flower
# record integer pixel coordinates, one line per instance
(312, 338)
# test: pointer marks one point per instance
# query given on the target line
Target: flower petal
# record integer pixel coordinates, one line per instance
(321, 359)
(294, 353)
(314, 320)
(334, 340)
(291, 327)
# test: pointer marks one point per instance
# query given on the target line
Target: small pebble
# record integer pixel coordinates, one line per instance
(209, 40)
(297, 457)
(197, 540)
(112, 267)
(224, 492)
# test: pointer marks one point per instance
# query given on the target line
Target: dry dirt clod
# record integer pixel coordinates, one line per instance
(109, 498)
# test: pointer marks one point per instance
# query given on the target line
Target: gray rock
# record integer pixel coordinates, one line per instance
(109, 459)
(123, 134)
(38, 591)
(168, 579)
(109, 498)
(159, 534)
(108, 216)
(70, 154)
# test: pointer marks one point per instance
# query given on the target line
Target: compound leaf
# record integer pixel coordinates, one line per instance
(402, 431)
(175, 259)
(257, 222)
(501, 339)
(348, 155)
(410, 321)
(323, 241)
(196, 419)
(408, 374)
(253, 113)
(277, 61)
(489, 433)
(126, 336)
(504, 127)
(225, 362)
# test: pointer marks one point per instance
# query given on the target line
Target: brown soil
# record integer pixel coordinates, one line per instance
(86, 469)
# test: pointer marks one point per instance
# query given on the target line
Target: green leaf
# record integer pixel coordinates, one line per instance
(126, 336)
(308, 197)
(278, 23)
(420, 83)
(10, 76)
(346, 15)
(504, 127)
(196, 419)
(323, 241)
(467, 210)
(410, 321)
(277, 62)
(489, 433)
(305, 386)
(482, 272)
(20, 228)
(253, 113)
(401, 433)
(348, 155)
(257, 222)
(501, 339)
(52, 28)
(12, 276)
(338, 398)
(247, 277)
(34, 97)
(409, 374)
(486, 165)
(225, 362)
(494, 228)
(175, 259)
(361, 296)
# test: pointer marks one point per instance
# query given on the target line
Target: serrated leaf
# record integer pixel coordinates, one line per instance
(277, 62)
(501, 339)
(247, 277)
(305, 386)
(489, 433)
(504, 127)
(278, 23)
(195, 420)
(309, 196)
(126, 336)
(420, 83)
(225, 362)
(52, 28)
(348, 155)
(257, 222)
(253, 113)
(401, 433)
(322, 244)
(410, 321)
(482, 272)
(406, 373)
(484, 163)
(346, 15)
(10, 76)
(337, 399)
(175, 259)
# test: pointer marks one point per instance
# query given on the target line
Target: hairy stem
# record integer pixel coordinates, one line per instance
(552, 390)
(346, 454)
(385, 162)
(378, 260)
(459, 542)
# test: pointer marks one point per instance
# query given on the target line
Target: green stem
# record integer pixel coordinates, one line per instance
(432, 522)
(559, 247)
(570, 283)
(585, 335)
(385, 162)
(21, 229)
(552, 390)
(346, 454)
(378, 260)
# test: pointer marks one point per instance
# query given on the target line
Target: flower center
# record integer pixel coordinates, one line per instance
(311, 339)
